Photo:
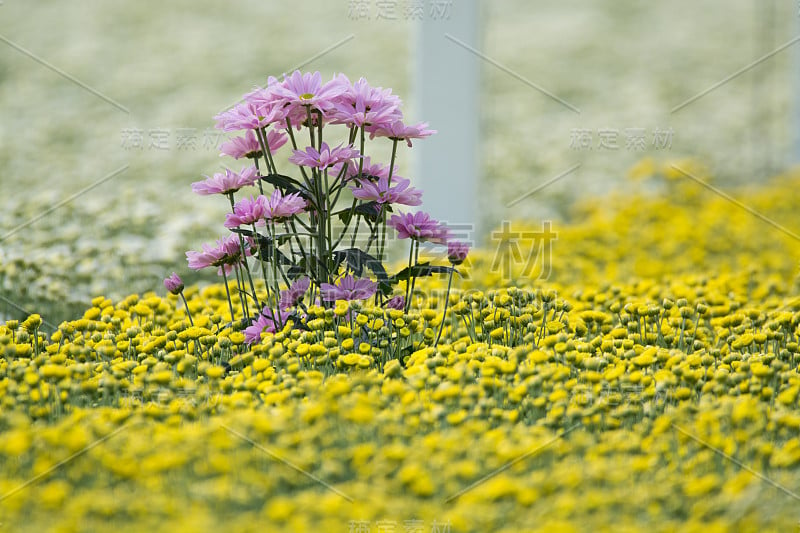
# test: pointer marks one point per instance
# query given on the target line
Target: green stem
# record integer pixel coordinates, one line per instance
(262, 140)
(310, 127)
(228, 293)
(408, 279)
(246, 265)
(258, 169)
(276, 315)
(263, 268)
(186, 305)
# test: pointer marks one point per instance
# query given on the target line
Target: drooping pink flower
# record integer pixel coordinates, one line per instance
(398, 130)
(226, 183)
(248, 146)
(324, 157)
(173, 283)
(267, 321)
(348, 288)
(398, 302)
(291, 296)
(419, 226)
(247, 211)
(379, 191)
(278, 207)
(457, 251)
(226, 253)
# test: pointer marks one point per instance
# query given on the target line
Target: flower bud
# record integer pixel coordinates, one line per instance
(174, 284)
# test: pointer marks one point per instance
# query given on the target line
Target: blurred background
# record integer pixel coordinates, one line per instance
(107, 113)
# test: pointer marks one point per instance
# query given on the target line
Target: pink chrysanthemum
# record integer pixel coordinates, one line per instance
(227, 183)
(325, 157)
(278, 207)
(266, 321)
(294, 294)
(307, 89)
(379, 191)
(247, 211)
(398, 130)
(419, 226)
(248, 146)
(348, 288)
(225, 254)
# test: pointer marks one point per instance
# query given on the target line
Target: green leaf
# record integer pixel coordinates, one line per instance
(357, 259)
(368, 210)
(420, 270)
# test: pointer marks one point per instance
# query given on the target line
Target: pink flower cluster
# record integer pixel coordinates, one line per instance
(267, 117)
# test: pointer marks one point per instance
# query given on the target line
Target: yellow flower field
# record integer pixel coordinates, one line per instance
(650, 383)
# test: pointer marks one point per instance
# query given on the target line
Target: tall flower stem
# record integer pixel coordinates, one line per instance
(244, 260)
(262, 139)
(310, 126)
(361, 153)
(258, 169)
(414, 278)
(242, 292)
(273, 233)
(294, 145)
(228, 293)
(186, 305)
(319, 127)
(383, 210)
(261, 260)
(408, 279)
(328, 209)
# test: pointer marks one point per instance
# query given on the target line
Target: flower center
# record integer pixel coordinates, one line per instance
(306, 96)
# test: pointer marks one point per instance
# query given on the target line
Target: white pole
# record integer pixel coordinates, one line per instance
(795, 156)
(448, 91)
